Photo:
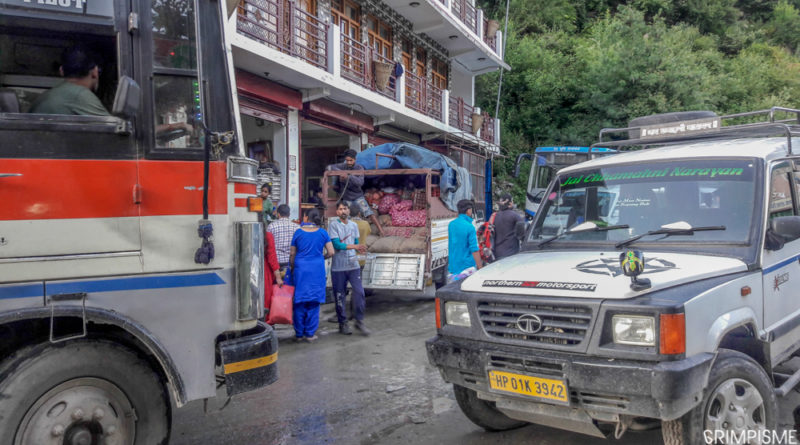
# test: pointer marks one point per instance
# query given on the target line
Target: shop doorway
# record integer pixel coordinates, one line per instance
(320, 146)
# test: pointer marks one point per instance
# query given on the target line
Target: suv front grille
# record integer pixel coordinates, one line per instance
(561, 324)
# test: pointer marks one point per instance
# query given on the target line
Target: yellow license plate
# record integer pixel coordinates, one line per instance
(541, 388)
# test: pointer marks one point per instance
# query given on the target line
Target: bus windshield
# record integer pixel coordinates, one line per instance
(647, 196)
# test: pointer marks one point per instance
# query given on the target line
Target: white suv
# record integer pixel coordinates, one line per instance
(666, 287)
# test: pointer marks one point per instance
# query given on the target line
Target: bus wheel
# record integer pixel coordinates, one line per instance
(81, 392)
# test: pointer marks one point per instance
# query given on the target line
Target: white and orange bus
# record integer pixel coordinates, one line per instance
(131, 256)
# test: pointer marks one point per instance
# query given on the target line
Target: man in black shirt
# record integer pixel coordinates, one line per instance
(351, 192)
(509, 228)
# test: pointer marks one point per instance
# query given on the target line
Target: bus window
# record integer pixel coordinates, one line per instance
(178, 102)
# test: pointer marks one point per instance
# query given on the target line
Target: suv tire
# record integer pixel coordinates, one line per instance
(483, 413)
(736, 374)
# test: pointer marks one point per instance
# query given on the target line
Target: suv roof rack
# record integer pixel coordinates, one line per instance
(672, 130)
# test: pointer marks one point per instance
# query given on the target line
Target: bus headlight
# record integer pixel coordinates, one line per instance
(634, 330)
(456, 313)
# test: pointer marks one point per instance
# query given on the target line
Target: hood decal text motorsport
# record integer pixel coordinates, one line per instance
(584, 287)
(610, 266)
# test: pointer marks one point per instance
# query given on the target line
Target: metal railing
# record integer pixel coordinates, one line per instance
(422, 96)
(434, 102)
(355, 64)
(487, 129)
(467, 13)
(461, 118)
(415, 92)
(286, 28)
(460, 114)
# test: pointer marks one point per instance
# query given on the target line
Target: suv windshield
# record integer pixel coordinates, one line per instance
(646, 196)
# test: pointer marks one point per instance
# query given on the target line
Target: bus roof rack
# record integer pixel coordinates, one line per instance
(673, 131)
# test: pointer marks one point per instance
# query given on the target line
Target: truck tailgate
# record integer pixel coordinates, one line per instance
(394, 271)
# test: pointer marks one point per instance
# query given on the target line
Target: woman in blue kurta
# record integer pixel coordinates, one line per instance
(310, 246)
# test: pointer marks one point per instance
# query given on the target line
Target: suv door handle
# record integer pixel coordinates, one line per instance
(7, 175)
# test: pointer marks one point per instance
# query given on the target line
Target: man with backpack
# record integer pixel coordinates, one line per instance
(509, 228)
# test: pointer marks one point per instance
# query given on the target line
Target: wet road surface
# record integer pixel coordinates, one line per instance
(360, 390)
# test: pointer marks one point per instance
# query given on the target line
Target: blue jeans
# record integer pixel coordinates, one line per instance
(339, 280)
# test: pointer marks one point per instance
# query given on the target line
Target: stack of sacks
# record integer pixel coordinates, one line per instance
(403, 216)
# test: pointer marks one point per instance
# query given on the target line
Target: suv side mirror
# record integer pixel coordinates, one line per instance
(785, 229)
(127, 98)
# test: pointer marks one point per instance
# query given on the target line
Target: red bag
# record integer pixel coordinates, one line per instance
(280, 311)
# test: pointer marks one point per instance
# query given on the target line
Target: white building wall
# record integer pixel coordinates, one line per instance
(462, 85)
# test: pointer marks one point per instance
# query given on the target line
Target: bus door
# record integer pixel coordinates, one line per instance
(68, 181)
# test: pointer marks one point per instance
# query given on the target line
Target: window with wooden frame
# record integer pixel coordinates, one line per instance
(407, 50)
(439, 73)
(422, 61)
(347, 16)
(380, 36)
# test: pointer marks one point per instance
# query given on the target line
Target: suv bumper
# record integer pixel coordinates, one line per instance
(604, 388)
(250, 361)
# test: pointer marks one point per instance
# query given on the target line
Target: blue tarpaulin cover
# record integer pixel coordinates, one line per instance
(455, 184)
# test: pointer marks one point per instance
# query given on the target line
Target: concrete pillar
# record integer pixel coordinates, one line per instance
(400, 90)
(334, 50)
(354, 142)
(446, 106)
(479, 25)
(293, 145)
(499, 44)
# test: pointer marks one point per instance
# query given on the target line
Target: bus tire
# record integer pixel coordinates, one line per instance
(483, 413)
(736, 382)
(87, 390)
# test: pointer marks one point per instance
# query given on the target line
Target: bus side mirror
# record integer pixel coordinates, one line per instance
(127, 98)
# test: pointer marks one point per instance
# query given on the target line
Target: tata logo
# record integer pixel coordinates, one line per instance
(529, 323)
(610, 266)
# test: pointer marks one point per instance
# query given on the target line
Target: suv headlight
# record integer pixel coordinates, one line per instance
(634, 330)
(456, 313)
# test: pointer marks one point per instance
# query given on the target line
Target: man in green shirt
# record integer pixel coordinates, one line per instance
(76, 94)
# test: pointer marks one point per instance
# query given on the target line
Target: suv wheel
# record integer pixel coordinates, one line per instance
(483, 413)
(739, 397)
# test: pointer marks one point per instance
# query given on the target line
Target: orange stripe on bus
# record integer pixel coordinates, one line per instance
(84, 188)
(249, 189)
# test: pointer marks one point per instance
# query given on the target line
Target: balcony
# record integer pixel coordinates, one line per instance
(461, 116)
(285, 27)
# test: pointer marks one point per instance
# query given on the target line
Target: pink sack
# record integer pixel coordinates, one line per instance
(386, 203)
(280, 310)
(409, 218)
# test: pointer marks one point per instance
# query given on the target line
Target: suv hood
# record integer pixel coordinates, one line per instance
(592, 274)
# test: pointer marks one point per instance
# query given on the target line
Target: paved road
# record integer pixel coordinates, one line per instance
(360, 390)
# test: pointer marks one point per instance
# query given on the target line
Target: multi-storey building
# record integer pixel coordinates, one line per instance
(316, 77)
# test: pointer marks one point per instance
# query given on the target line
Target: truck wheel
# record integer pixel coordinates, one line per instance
(483, 413)
(739, 397)
(81, 392)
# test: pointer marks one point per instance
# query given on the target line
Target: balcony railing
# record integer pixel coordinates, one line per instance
(490, 40)
(460, 114)
(461, 117)
(467, 13)
(422, 96)
(355, 61)
(285, 27)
